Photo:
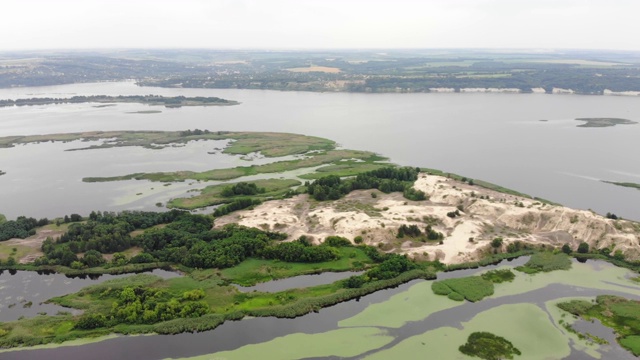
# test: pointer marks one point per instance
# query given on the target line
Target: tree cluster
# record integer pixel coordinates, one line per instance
(22, 227)
(388, 179)
(242, 188)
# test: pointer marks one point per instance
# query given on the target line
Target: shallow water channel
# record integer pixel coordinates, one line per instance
(369, 311)
(23, 293)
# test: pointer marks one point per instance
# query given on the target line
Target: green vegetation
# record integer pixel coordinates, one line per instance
(252, 271)
(225, 193)
(604, 122)
(388, 179)
(472, 288)
(344, 169)
(22, 227)
(545, 262)
(488, 346)
(624, 184)
(313, 159)
(269, 144)
(616, 312)
(170, 102)
(499, 276)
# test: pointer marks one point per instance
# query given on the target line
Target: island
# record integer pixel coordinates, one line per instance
(604, 122)
(381, 224)
(153, 100)
(624, 184)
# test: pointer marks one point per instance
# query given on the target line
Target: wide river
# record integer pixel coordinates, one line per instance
(494, 137)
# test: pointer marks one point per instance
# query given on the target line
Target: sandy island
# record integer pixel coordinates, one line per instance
(486, 214)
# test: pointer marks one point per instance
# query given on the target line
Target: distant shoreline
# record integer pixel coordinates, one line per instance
(153, 100)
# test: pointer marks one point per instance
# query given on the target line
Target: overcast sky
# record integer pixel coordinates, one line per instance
(312, 24)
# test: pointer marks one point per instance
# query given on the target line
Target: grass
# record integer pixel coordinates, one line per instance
(269, 144)
(253, 271)
(212, 195)
(545, 262)
(21, 251)
(499, 276)
(472, 288)
(615, 312)
(314, 159)
(350, 168)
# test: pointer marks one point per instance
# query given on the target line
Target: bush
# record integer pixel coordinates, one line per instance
(545, 262)
(439, 288)
(499, 276)
(336, 241)
(488, 346)
(583, 248)
(91, 321)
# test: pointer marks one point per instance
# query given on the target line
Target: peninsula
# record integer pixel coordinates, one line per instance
(153, 100)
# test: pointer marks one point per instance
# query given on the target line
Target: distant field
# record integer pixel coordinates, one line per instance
(578, 62)
(324, 69)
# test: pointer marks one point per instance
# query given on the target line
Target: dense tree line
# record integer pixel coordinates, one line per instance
(22, 227)
(184, 238)
(102, 233)
(388, 179)
(390, 266)
(301, 251)
(235, 205)
(137, 305)
(242, 188)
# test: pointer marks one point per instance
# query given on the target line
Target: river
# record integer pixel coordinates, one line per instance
(494, 137)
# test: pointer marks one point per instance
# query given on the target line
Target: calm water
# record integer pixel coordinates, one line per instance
(23, 293)
(494, 137)
(232, 335)
(301, 281)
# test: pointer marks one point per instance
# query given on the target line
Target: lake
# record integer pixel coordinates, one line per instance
(494, 137)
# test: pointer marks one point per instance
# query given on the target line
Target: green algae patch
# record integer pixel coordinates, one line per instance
(563, 320)
(472, 288)
(545, 262)
(414, 304)
(592, 275)
(526, 326)
(340, 343)
(76, 342)
(616, 312)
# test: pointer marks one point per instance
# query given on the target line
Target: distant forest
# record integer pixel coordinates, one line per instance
(584, 72)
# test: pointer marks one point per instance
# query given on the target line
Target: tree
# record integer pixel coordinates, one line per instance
(566, 249)
(496, 243)
(583, 248)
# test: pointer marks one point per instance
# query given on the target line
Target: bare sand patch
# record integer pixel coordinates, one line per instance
(324, 69)
(485, 215)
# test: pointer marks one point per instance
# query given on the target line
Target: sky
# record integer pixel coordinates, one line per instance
(318, 24)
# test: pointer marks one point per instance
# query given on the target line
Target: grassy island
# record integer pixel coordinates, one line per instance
(623, 184)
(153, 100)
(604, 122)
